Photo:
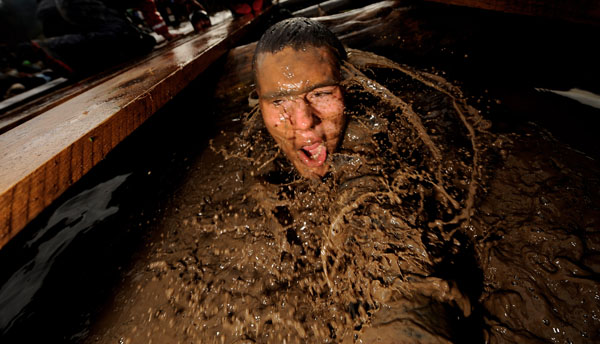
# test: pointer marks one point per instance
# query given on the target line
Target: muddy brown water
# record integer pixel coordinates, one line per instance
(430, 228)
(433, 226)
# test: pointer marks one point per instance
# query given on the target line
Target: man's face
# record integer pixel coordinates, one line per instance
(302, 105)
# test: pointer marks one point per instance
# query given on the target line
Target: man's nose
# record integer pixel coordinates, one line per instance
(301, 114)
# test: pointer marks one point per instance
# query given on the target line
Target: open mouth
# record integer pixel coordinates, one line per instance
(313, 155)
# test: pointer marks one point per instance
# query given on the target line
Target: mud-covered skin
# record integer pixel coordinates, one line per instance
(428, 228)
(302, 105)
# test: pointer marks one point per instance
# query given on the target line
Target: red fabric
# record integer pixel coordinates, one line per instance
(153, 18)
(257, 5)
(242, 8)
(52, 61)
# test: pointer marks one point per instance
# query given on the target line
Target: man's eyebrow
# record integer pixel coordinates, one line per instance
(273, 95)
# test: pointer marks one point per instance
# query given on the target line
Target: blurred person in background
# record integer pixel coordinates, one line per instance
(84, 36)
(242, 8)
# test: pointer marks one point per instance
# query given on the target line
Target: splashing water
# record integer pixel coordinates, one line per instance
(399, 242)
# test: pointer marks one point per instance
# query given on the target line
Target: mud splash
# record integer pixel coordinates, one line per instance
(424, 231)
(363, 242)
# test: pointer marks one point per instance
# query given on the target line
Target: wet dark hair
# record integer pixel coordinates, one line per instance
(298, 33)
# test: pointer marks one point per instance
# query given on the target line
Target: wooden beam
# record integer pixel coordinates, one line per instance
(582, 11)
(41, 158)
(44, 88)
(19, 109)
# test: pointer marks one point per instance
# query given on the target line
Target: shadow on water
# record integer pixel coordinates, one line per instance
(57, 273)
(462, 267)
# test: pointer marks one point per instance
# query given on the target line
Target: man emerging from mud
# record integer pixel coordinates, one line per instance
(297, 71)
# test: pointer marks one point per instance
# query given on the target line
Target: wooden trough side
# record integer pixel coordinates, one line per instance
(41, 158)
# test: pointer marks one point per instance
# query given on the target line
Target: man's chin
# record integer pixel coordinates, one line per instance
(311, 172)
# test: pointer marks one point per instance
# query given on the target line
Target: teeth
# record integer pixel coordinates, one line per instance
(317, 152)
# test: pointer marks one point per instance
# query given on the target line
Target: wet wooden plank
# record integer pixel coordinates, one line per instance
(41, 158)
(24, 112)
(584, 11)
(14, 111)
(44, 88)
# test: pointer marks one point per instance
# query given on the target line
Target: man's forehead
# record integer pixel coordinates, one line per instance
(290, 57)
(295, 71)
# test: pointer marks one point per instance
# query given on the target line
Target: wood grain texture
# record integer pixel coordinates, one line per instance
(41, 158)
(582, 11)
